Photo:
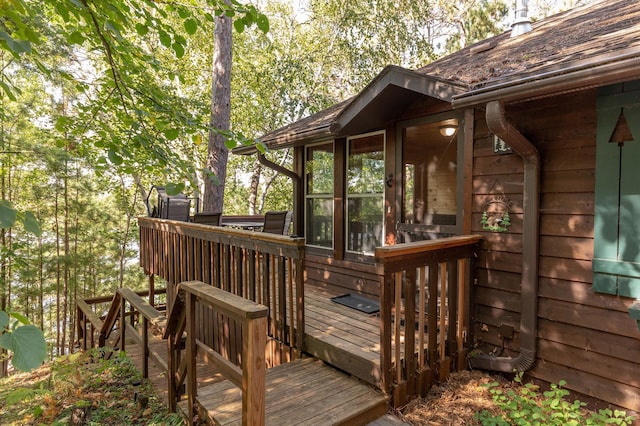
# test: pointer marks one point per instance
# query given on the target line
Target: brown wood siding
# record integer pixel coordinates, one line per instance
(340, 276)
(585, 338)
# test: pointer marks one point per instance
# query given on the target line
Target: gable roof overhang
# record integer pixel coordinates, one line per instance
(383, 99)
(389, 93)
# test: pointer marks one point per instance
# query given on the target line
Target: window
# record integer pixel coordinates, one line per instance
(365, 193)
(430, 168)
(616, 263)
(319, 195)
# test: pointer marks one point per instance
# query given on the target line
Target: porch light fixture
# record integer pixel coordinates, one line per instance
(448, 130)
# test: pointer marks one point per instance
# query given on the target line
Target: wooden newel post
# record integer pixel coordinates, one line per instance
(253, 374)
(191, 355)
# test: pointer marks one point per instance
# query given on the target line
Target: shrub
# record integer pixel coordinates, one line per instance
(524, 405)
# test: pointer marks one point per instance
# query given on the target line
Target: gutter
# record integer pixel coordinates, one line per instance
(499, 125)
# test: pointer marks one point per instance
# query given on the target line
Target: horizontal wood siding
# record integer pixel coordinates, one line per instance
(341, 276)
(585, 338)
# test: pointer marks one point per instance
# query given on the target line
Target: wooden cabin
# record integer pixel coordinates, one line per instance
(487, 202)
(529, 139)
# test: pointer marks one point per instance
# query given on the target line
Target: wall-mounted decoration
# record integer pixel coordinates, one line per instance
(500, 146)
(495, 216)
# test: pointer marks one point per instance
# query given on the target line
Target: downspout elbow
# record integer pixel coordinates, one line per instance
(499, 125)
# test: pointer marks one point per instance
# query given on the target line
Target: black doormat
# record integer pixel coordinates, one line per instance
(360, 303)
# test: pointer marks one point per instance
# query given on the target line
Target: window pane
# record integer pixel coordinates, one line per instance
(320, 169)
(430, 169)
(365, 193)
(365, 171)
(364, 224)
(320, 222)
(319, 195)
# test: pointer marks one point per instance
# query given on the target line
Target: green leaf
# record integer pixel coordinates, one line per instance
(31, 224)
(178, 49)
(263, 23)
(238, 24)
(171, 134)
(28, 346)
(114, 157)
(62, 10)
(4, 320)
(76, 38)
(8, 214)
(174, 188)
(115, 29)
(23, 319)
(142, 29)
(7, 90)
(165, 39)
(191, 26)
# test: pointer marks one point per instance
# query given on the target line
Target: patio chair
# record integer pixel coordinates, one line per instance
(208, 218)
(174, 207)
(277, 222)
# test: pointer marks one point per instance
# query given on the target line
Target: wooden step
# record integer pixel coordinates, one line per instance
(303, 392)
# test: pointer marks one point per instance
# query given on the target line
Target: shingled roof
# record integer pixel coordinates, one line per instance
(588, 46)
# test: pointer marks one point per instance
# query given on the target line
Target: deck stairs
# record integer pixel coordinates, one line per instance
(307, 391)
(303, 392)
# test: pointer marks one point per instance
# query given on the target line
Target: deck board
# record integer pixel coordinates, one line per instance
(305, 391)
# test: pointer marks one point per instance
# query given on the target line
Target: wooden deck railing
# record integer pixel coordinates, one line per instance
(125, 304)
(424, 315)
(264, 268)
(96, 317)
(249, 375)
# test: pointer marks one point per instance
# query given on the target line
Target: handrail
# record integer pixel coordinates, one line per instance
(86, 316)
(261, 267)
(423, 312)
(253, 319)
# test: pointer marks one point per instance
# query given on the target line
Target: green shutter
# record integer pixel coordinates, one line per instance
(616, 263)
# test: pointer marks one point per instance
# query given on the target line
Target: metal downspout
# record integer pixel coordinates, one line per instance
(498, 125)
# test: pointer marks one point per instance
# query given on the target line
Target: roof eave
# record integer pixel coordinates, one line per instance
(608, 69)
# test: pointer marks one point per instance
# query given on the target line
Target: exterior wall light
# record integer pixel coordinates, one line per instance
(448, 130)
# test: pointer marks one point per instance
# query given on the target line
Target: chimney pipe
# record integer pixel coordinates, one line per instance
(522, 22)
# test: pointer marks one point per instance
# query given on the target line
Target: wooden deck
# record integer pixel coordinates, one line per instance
(302, 392)
(306, 391)
(343, 337)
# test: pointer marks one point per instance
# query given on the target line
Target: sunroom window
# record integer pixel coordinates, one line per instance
(319, 195)
(365, 193)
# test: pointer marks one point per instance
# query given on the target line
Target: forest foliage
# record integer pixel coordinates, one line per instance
(100, 100)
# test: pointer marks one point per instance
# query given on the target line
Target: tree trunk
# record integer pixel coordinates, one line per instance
(67, 259)
(254, 186)
(220, 115)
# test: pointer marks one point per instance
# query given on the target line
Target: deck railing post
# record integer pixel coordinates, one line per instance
(123, 324)
(254, 372)
(190, 303)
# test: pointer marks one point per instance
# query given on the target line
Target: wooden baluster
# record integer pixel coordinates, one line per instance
(409, 327)
(145, 347)
(400, 391)
(386, 301)
(452, 304)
